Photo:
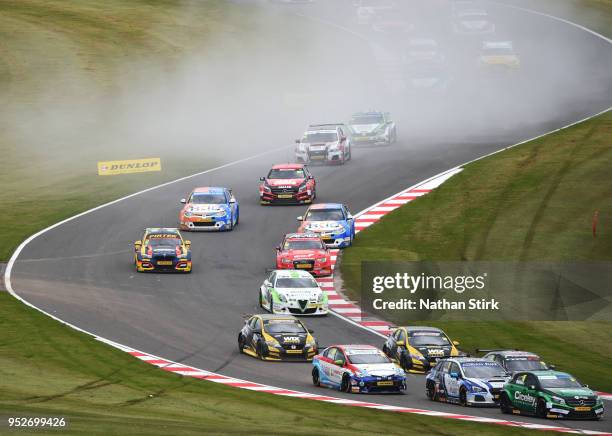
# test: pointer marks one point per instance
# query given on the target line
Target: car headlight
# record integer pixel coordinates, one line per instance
(322, 259)
(285, 260)
(321, 297)
(558, 400)
(360, 374)
(302, 187)
(220, 213)
(311, 344)
(478, 389)
(282, 298)
(266, 188)
(272, 343)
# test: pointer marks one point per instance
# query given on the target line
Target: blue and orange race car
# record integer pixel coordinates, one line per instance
(332, 222)
(163, 250)
(209, 208)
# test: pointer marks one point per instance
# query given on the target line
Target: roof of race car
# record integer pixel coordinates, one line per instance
(358, 114)
(163, 230)
(413, 328)
(288, 166)
(292, 273)
(320, 131)
(302, 236)
(515, 353)
(210, 189)
(547, 372)
(356, 347)
(461, 360)
(320, 206)
(326, 125)
(497, 44)
(268, 316)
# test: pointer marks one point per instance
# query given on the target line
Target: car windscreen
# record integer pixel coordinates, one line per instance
(367, 119)
(155, 241)
(325, 215)
(295, 282)
(524, 364)
(286, 174)
(558, 381)
(422, 339)
(207, 198)
(275, 326)
(314, 137)
(484, 370)
(358, 357)
(309, 244)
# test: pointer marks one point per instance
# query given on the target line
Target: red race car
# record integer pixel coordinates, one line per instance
(304, 251)
(288, 184)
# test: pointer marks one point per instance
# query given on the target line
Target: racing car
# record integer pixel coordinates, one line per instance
(500, 53)
(417, 349)
(550, 394)
(332, 221)
(288, 184)
(164, 250)
(357, 369)
(472, 21)
(372, 128)
(304, 251)
(292, 292)
(324, 143)
(516, 360)
(209, 208)
(466, 381)
(276, 337)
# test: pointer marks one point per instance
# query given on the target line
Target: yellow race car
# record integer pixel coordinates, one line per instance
(276, 337)
(417, 349)
(500, 54)
(164, 250)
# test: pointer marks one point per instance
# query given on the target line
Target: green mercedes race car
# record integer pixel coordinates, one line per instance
(550, 394)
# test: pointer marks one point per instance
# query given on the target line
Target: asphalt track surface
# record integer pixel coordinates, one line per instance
(81, 271)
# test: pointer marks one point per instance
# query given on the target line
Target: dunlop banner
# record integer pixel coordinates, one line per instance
(113, 167)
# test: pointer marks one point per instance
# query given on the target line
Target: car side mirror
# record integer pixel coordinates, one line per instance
(310, 331)
(297, 141)
(183, 200)
(262, 178)
(278, 248)
(233, 200)
(188, 243)
(349, 217)
(137, 244)
(551, 366)
(310, 177)
(339, 362)
(267, 283)
(454, 375)
(532, 387)
(300, 218)
(455, 343)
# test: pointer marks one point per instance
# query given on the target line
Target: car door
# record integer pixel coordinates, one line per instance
(255, 334)
(349, 219)
(530, 392)
(452, 381)
(391, 343)
(329, 368)
(247, 332)
(266, 287)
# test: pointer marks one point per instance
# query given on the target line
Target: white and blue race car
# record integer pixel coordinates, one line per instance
(332, 222)
(466, 381)
(357, 369)
(209, 208)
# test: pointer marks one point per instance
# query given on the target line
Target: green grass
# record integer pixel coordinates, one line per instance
(49, 369)
(533, 202)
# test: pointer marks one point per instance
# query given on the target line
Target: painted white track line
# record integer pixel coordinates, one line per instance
(376, 328)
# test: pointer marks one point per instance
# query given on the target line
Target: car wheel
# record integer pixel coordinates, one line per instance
(463, 397)
(430, 391)
(316, 379)
(541, 409)
(504, 404)
(345, 385)
(260, 350)
(240, 344)
(237, 218)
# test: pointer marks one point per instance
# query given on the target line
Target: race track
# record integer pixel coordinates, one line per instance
(81, 271)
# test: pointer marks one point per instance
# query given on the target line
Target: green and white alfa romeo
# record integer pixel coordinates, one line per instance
(550, 394)
(294, 292)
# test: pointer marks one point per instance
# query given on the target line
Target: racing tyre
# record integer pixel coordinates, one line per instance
(504, 404)
(345, 386)
(260, 350)
(430, 391)
(316, 379)
(463, 397)
(541, 409)
(240, 344)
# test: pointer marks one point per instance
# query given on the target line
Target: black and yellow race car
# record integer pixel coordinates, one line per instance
(162, 249)
(417, 349)
(276, 337)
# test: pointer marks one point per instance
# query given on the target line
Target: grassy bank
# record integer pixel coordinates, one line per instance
(533, 202)
(48, 369)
